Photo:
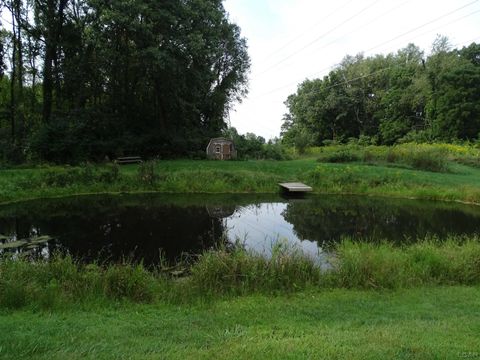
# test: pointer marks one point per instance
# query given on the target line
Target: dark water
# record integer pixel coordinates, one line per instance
(111, 228)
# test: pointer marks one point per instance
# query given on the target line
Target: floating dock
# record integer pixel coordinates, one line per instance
(296, 187)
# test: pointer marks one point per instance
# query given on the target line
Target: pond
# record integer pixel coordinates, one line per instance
(146, 227)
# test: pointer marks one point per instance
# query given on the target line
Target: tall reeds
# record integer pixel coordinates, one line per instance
(226, 272)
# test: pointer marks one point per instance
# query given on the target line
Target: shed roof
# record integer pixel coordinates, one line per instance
(222, 139)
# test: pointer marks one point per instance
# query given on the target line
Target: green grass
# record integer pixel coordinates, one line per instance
(421, 323)
(461, 183)
(62, 282)
(419, 301)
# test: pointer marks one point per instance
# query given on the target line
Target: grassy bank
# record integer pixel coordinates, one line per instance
(421, 323)
(62, 282)
(439, 172)
(419, 301)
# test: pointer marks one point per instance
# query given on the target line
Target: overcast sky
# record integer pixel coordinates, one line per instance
(291, 40)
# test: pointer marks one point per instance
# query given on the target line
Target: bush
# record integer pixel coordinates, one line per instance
(274, 151)
(129, 282)
(240, 272)
(428, 160)
(420, 157)
(339, 156)
(84, 175)
(146, 173)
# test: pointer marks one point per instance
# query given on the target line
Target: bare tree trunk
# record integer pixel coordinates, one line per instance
(13, 104)
(20, 75)
(47, 82)
(52, 39)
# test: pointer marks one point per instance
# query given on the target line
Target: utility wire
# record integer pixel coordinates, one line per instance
(381, 44)
(422, 26)
(391, 40)
(444, 25)
(349, 81)
(332, 42)
(306, 31)
(320, 37)
(369, 22)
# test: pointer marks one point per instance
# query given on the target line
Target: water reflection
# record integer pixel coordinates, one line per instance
(110, 228)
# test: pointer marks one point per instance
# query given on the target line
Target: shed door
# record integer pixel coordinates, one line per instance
(226, 149)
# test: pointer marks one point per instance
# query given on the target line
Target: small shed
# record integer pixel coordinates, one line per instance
(221, 149)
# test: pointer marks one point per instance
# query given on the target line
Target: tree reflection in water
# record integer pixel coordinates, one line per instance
(141, 227)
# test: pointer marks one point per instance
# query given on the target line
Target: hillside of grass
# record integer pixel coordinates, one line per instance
(439, 172)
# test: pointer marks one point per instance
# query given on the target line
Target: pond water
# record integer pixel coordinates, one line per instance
(112, 228)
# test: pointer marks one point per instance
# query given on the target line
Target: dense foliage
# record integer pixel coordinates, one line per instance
(386, 99)
(93, 78)
(251, 146)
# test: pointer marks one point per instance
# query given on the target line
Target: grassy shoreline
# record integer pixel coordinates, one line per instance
(415, 302)
(63, 282)
(461, 184)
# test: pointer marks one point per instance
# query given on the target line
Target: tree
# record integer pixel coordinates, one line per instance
(458, 103)
(3, 50)
(391, 98)
(106, 77)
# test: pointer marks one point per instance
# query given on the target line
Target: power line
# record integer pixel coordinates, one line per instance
(362, 26)
(349, 81)
(332, 42)
(447, 24)
(306, 31)
(320, 37)
(422, 26)
(331, 67)
(468, 42)
(381, 44)
(297, 82)
(391, 40)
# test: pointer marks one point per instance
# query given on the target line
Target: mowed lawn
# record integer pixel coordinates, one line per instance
(423, 323)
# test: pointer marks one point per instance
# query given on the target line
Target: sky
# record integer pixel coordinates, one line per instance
(293, 40)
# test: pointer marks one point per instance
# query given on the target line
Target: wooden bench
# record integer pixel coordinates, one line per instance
(128, 160)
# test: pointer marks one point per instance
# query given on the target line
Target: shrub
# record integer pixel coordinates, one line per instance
(239, 271)
(129, 282)
(420, 157)
(63, 177)
(111, 174)
(339, 156)
(146, 173)
(428, 159)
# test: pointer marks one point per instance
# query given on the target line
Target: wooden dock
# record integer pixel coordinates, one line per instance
(295, 187)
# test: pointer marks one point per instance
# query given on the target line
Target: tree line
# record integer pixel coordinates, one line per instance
(86, 79)
(386, 99)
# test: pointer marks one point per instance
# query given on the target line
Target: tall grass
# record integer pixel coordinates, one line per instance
(62, 281)
(429, 262)
(243, 272)
(417, 156)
